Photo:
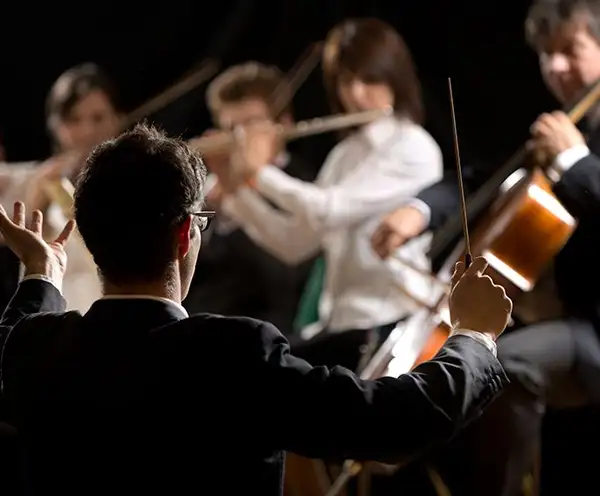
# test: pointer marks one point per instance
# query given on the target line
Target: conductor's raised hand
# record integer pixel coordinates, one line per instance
(476, 303)
(38, 256)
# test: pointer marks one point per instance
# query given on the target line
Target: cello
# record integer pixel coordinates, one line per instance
(523, 229)
(519, 234)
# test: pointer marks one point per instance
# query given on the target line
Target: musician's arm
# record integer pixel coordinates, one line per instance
(383, 182)
(437, 202)
(336, 415)
(578, 185)
(288, 237)
(440, 201)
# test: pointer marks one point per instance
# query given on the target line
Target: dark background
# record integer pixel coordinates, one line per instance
(148, 46)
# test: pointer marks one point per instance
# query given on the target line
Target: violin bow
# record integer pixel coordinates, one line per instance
(461, 186)
(293, 80)
(201, 75)
(295, 77)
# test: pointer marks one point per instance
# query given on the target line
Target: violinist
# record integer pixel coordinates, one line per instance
(556, 361)
(367, 66)
(82, 111)
(235, 276)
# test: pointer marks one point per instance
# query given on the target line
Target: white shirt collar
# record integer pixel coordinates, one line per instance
(149, 297)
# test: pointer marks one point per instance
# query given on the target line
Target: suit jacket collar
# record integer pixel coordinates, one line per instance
(143, 311)
(166, 301)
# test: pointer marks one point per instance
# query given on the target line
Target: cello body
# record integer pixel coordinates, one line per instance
(521, 233)
(305, 477)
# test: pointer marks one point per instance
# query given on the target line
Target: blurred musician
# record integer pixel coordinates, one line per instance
(81, 112)
(13, 177)
(235, 276)
(135, 397)
(556, 362)
(367, 66)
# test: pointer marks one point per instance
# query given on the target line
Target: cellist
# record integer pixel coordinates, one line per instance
(556, 361)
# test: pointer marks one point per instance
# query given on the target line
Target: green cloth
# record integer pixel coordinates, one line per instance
(308, 308)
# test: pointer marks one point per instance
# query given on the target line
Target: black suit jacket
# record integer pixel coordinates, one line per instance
(577, 267)
(236, 277)
(9, 275)
(134, 398)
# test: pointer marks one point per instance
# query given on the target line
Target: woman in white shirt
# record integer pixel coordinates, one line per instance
(81, 111)
(367, 66)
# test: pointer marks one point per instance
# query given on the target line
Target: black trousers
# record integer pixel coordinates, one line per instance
(553, 364)
(346, 348)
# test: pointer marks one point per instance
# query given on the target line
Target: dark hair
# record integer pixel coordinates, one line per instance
(545, 16)
(374, 52)
(250, 80)
(75, 84)
(132, 194)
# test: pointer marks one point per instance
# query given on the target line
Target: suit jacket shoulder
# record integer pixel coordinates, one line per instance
(241, 333)
(34, 337)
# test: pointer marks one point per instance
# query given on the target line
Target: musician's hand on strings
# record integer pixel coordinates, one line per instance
(553, 134)
(257, 146)
(396, 229)
(37, 255)
(476, 303)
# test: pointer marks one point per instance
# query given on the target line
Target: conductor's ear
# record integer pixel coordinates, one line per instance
(184, 236)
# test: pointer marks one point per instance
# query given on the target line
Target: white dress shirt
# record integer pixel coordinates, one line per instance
(81, 286)
(364, 177)
(225, 225)
(178, 306)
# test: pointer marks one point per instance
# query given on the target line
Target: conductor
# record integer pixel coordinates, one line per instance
(137, 397)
